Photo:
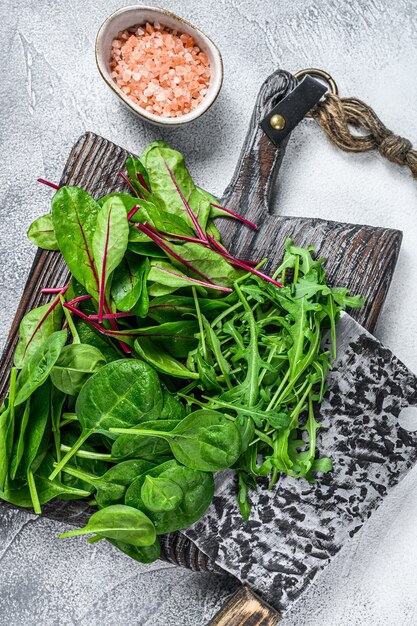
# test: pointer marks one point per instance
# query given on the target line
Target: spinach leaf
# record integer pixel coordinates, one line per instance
(27, 445)
(204, 440)
(149, 448)
(7, 426)
(145, 554)
(173, 408)
(38, 367)
(177, 337)
(161, 360)
(197, 488)
(109, 245)
(205, 264)
(41, 233)
(74, 216)
(125, 200)
(161, 494)
(167, 279)
(157, 158)
(111, 487)
(75, 364)
(123, 392)
(121, 523)
(18, 494)
(34, 329)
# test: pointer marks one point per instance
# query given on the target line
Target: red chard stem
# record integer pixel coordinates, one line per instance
(48, 183)
(152, 234)
(194, 220)
(235, 215)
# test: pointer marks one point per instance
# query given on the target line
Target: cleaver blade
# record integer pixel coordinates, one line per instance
(369, 418)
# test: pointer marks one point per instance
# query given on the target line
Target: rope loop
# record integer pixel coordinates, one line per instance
(337, 115)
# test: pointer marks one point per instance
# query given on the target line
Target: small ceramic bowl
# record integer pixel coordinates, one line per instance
(134, 15)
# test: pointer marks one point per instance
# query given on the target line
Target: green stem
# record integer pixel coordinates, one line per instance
(225, 313)
(60, 466)
(70, 416)
(192, 385)
(296, 268)
(269, 359)
(86, 454)
(70, 322)
(77, 473)
(134, 431)
(287, 263)
(263, 437)
(192, 400)
(200, 324)
(95, 539)
(33, 492)
(253, 354)
(307, 361)
(332, 318)
(68, 419)
(278, 391)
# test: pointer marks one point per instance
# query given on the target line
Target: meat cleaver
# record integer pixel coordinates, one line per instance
(369, 418)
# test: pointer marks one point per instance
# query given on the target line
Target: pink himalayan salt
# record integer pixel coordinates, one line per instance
(161, 70)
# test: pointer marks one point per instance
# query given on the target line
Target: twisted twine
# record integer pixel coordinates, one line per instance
(336, 114)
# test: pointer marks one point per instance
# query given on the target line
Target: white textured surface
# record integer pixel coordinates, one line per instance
(50, 93)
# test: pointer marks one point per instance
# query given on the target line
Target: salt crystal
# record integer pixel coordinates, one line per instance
(159, 69)
(161, 97)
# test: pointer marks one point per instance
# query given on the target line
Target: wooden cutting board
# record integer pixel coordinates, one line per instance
(361, 258)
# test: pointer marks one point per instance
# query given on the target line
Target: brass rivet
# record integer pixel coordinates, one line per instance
(277, 122)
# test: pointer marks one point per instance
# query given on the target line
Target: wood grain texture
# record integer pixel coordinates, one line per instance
(245, 608)
(361, 258)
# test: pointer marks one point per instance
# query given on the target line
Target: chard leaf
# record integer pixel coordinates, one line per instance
(109, 244)
(74, 216)
(128, 280)
(41, 232)
(38, 367)
(156, 157)
(35, 328)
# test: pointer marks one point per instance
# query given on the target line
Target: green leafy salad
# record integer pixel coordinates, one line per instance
(163, 360)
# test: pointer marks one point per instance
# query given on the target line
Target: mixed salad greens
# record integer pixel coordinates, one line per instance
(163, 360)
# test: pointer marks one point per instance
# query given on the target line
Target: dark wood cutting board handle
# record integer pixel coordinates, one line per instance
(257, 167)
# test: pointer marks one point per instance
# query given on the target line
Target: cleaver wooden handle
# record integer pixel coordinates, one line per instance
(245, 608)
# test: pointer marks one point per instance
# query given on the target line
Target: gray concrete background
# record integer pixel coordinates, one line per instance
(50, 93)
